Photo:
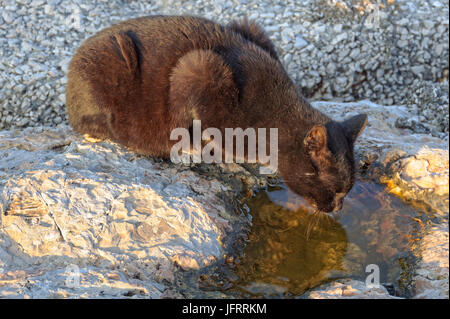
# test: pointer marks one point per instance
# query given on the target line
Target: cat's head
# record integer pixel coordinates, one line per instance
(320, 167)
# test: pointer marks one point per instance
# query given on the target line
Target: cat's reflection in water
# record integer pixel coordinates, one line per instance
(292, 248)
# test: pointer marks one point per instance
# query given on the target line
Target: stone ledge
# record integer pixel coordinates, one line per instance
(123, 220)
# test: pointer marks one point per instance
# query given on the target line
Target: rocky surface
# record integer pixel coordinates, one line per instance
(431, 276)
(93, 220)
(349, 289)
(333, 49)
(80, 219)
(430, 104)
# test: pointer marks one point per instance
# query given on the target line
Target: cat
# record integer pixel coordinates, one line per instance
(137, 80)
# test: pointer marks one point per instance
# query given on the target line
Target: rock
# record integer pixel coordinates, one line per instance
(348, 289)
(412, 124)
(428, 169)
(96, 208)
(418, 70)
(430, 100)
(337, 28)
(431, 280)
(7, 17)
(300, 43)
(287, 34)
(339, 38)
(428, 24)
(402, 44)
(110, 223)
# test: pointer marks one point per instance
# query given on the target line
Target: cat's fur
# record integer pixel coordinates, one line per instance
(138, 80)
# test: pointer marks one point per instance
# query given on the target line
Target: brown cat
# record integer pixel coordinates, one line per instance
(138, 80)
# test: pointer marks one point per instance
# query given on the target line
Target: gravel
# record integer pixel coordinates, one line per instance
(393, 53)
(430, 101)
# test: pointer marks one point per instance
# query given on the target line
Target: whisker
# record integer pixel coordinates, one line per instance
(298, 175)
(316, 215)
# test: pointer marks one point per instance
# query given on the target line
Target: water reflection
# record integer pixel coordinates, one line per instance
(291, 250)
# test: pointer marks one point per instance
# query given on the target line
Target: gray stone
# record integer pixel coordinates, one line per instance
(300, 43)
(418, 70)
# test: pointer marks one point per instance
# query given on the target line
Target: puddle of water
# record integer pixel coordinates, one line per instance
(290, 250)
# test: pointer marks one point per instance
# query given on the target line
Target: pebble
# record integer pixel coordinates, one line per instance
(300, 43)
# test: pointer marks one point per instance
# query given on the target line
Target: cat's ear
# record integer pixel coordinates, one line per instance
(316, 139)
(354, 126)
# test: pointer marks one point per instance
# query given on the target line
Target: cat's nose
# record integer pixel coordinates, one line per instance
(337, 206)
